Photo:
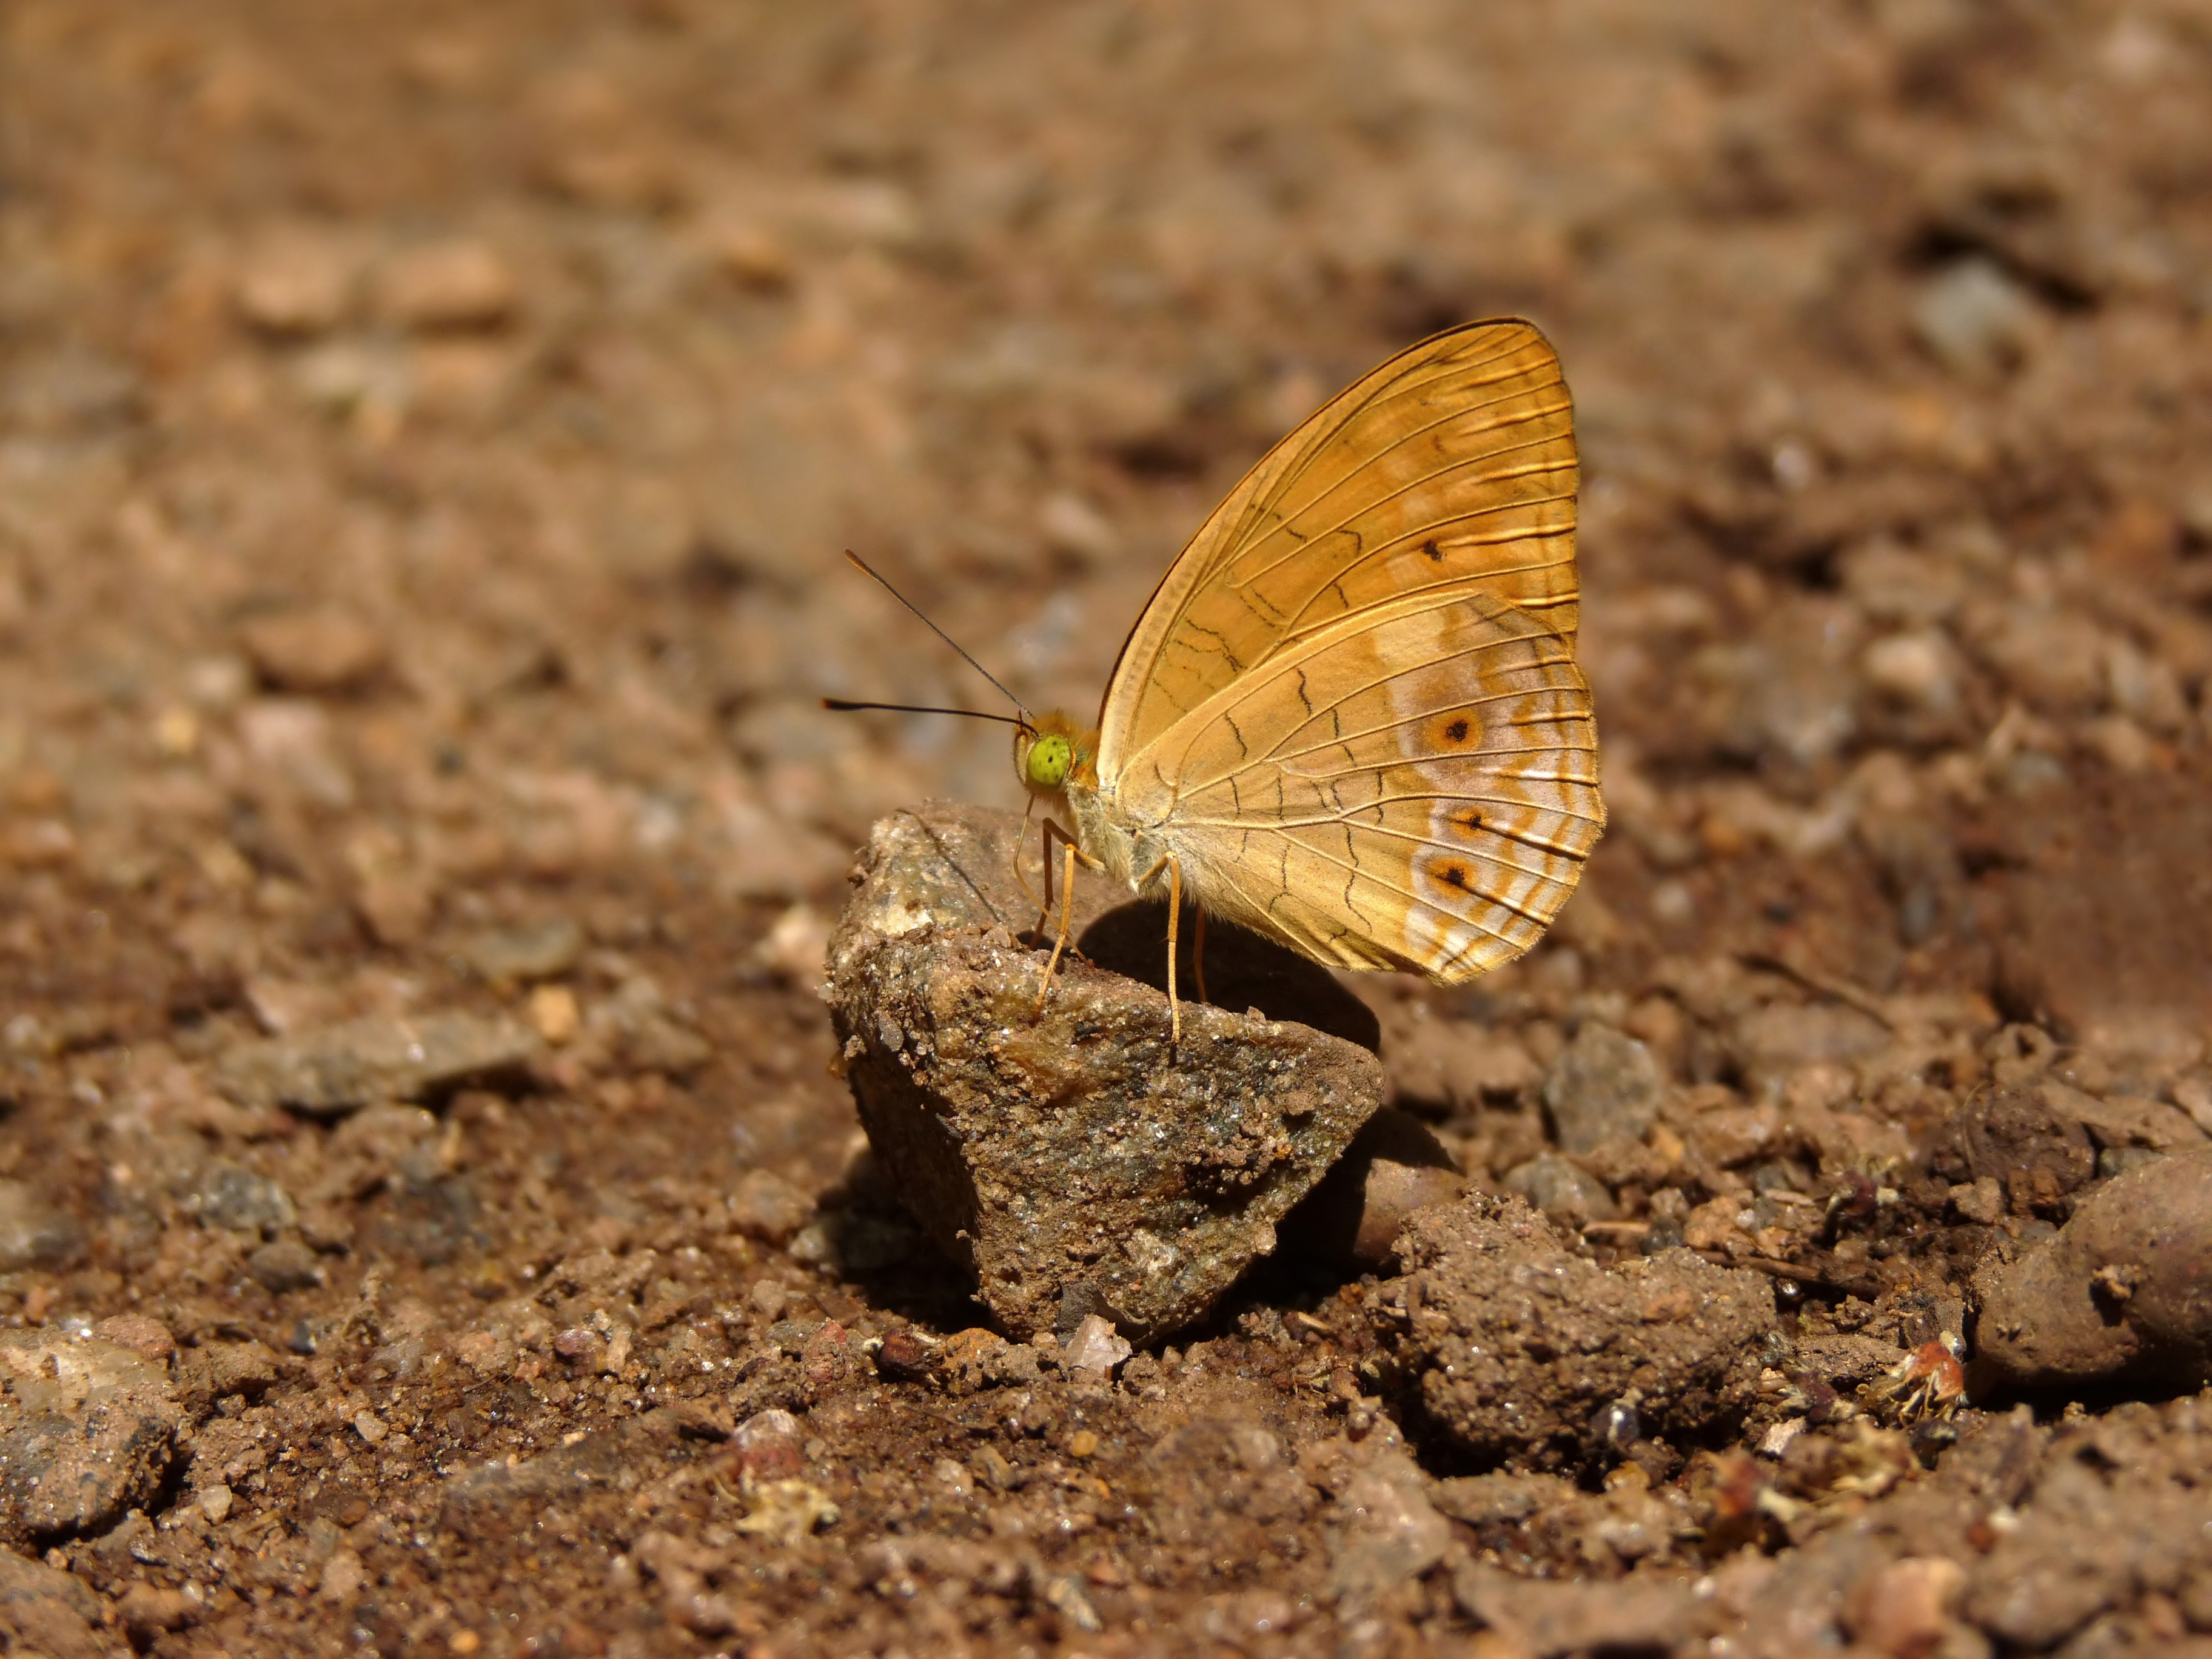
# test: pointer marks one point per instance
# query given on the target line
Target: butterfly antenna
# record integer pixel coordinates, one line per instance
(867, 570)
(845, 706)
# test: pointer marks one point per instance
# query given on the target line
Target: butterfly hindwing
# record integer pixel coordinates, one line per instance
(1414, 787)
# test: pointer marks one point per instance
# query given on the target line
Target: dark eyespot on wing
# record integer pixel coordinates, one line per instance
(1453, 875)
(1456, 731)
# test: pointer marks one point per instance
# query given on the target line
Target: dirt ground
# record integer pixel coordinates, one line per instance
(427, 437)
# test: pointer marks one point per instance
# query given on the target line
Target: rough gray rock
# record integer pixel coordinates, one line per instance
(2124, 1292)
(340, 1067)
(1075, 1160)
(87, 1430)
(1517, 1346)
(532, 950)
(32, 1233)
(1604, 1085)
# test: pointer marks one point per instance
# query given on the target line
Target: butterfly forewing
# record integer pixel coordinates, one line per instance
(1453, 462)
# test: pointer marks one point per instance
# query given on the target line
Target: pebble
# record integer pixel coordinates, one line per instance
(1603, 1086)
(1975, 318)
(319, 650)
(34, 1234)
(148, 1339)
(770, 1446)
(1902, 1608)
(2123, 1294)
(234, 1198)
(1921, 669)
(1537, 1617)
(296, 284)
(284, 1265)
(1564, 1193)
(766, 1206)
(1071, 1154)
(88, 1430)
(1394, 1167)
(463, 283)
(532, 950)
(1096, 1348)
(341, 1067)
(1385, 1529)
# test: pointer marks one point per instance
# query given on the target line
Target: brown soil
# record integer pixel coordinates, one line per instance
(426, 439)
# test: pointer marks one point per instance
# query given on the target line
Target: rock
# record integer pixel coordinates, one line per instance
(51, 1614)
(1096, 1348)
(34, 1234)
(319, 650)
(1903, 1607)
(1484, 1500)
(533, 950)
(447, 285)
(1386, 1530)
(766, 1206)
(296, 284)
(287, 1265)
(770, 1446)
(1542, 1619)
(1604, 1085)
(1071, 1152)
(2013, 1137)
(1568, 1195)
(1516, 1346)
(2123, 1294)
(340, 1067)
(1394, 1167)
(1975, 320)
(88, 1430)
(234, 1198)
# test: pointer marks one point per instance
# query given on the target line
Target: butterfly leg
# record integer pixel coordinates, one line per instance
(1073, 856)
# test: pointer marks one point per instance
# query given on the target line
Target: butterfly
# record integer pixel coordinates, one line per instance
(1350, 718)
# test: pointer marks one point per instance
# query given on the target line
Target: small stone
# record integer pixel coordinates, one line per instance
(1071, 1148)
(1921, 669)
(1975, 318)
(34, 1234)
(1566, 1193)
(285, 1266)
(343, 1575)
(341, 1067)
(2049, 1318)
(1903, 1607)
(1546, 1618)
(903, 1357)
(235, 1199)
(214, 1502)
(366, 1424)
(1520, 1343)
(554, 1014)
(315, 650)
(770, 1446)
(447, 285)
(1603, 1086)
(1980, 1201)
(1394, 1167)
(296, 283)
(1096, 1348)
(149, 1610)
(1387, 1531)
(520, 955)
(766, 1206)
(88, 1430)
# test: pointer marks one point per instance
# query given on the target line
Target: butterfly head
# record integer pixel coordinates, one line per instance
(1048, 755)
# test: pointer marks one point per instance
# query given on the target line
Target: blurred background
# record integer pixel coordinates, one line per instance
(428, 438)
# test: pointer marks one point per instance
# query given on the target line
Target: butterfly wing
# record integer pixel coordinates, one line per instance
(1413, 787)
(1451, 466)
(1353, 710)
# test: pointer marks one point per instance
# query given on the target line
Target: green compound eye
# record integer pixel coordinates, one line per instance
(1049, 759)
